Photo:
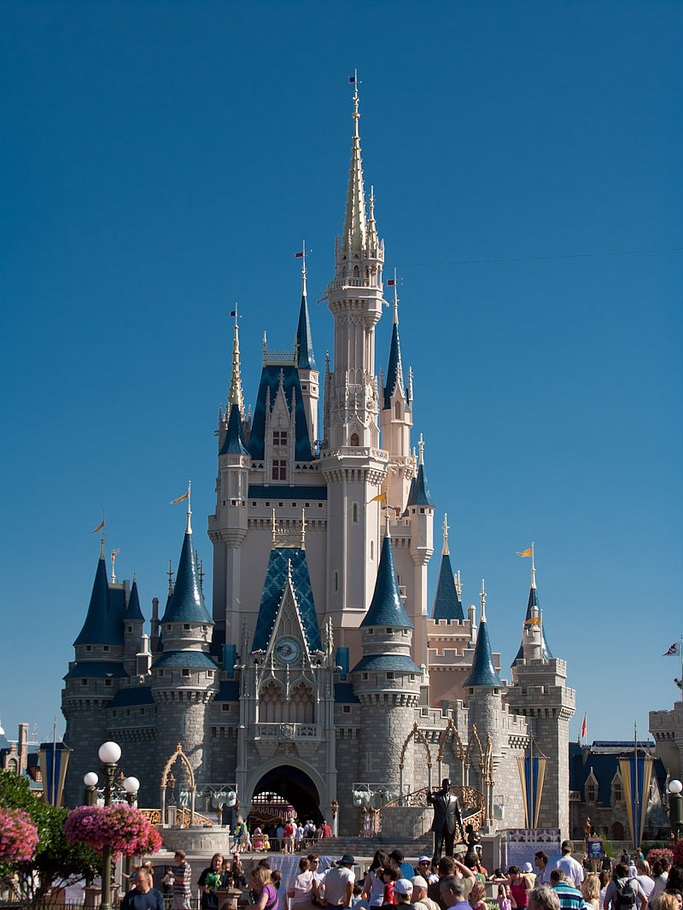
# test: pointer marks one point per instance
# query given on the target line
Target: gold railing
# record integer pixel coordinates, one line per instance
(472, 803)
(182, 815)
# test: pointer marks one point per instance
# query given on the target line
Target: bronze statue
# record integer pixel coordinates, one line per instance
(446, 814)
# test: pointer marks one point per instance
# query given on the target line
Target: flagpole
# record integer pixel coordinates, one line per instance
(636, 819)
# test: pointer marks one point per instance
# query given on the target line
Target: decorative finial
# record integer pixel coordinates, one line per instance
(533, 566)
(482, 597)
(235, 395)
(393, 283)
(302, 257)
(303, 529)
(170, 577)
(445, 551)
(289, 569)
(355, 226)
(114, 554)
(421, 446)
(272, 529)
(264, 345)
(458, 584)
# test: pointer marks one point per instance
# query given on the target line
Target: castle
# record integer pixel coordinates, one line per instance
(322, 673)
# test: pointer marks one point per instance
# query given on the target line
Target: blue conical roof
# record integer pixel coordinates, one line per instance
(419, 494)
(304, 342)
(530, 611)
(447, 604)
(395, 367)
(386, 607)
(234, 443)
(483, 672)
(104, 622)
(133, 610)
(186, 603)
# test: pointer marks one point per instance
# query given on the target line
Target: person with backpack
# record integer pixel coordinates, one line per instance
(624, 893)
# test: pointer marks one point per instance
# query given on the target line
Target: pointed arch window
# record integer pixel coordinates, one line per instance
(355, 439)
(397, 410)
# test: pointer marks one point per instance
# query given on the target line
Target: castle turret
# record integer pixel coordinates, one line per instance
(184, 676)
(447, 604)
(387, 680)
(539, 692)
(133, 622)
(396, 420)
(420, 510)
(533, 623)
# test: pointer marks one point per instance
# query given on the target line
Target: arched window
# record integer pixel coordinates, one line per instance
(397, 410)
(355, 439)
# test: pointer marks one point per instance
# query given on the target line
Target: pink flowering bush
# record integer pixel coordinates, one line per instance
(658, 853)
(18, 836)
(125, 829)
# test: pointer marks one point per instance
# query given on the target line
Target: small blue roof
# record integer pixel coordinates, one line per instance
(132, 696)
(344, 694)
(264, 491)
(383, 662)
(394, 369)
(228, 690)
(198, 659)
(386, 607)
(187, 603)
(133, 611)
(234, 443)
(604, 766)
(273, 589)
(271, 374)
(483, 672)
(304, 341)
(447, 604)
(419, 494)
(99, 669)
(545, 650)
(104, 621)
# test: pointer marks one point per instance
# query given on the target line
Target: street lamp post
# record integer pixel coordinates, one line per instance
(109, 754)
(675, 807)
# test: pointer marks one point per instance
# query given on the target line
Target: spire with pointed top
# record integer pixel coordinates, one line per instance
(355, 224)
(447, 603)
(234, 442)
(186, 603)
(483, 672)
(419, 490)
(235, 395)
(373, 239)
(386, 606)
(102, 625)
(533, 609)
(395, 368)
(133, 611)
(304, 341)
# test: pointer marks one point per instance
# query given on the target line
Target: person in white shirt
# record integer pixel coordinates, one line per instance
(566, 862)
(338, 883)
(643, 877)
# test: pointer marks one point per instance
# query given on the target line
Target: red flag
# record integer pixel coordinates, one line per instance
(298, 255)
(583, 727)
(391, 282)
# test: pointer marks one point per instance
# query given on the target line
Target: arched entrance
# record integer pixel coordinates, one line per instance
(295, 787)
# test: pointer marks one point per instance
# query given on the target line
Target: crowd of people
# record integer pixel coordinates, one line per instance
(560, 883)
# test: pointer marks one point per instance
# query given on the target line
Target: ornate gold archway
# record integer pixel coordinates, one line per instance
(450, 736)
(417, 735)
(180, 756)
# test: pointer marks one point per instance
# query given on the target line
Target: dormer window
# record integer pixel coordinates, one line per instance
(279, 437)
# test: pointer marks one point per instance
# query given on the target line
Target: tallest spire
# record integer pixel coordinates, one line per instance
(355, 222)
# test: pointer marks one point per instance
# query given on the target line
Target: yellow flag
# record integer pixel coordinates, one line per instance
(381, 497)
(98, 528)
(529, 552)
(533, 621)
(180, 498)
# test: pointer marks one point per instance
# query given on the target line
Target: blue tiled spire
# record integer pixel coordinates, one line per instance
(133, 611)
(533, 609)
(395, 367)
(104, 622)
(234, 443)
(447, 604)
(386, 607)
(304, 342)
(483, 672)
(186, 603)
(419, 494)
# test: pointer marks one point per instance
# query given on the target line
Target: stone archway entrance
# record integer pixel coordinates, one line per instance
(294, 787)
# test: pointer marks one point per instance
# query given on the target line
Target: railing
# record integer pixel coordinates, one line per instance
(182, 817)
(288, 731)
(472, 803)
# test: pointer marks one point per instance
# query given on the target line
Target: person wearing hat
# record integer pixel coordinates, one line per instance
(421, 899)
(338, 883)
(403, 892)
(529, 874)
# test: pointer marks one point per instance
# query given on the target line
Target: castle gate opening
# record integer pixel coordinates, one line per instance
(294, 787)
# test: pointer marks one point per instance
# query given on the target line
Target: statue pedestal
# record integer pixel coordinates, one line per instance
(402, 823)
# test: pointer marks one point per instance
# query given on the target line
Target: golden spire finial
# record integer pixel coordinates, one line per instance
(235, 395)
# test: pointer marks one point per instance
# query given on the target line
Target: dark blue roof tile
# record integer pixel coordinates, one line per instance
(133, 611)
(187, 603)
(304, 341)
(234, 443)
(545, 650)
(419, 490)
(132, 696)
(383, 662)
(386, 607)
(271, 375)
(263, 491)
(273, 589)
(104, 621)
(96, 669)
(483, 672)
(447, 604)
(189, 659)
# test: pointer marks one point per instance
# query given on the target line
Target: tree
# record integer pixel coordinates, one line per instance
(56, 862)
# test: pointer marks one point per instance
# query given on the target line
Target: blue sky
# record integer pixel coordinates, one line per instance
(161, 161)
